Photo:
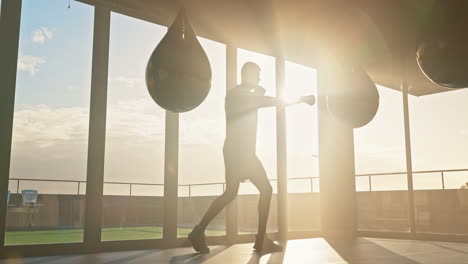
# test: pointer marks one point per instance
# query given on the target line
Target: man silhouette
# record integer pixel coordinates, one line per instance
(240, 159)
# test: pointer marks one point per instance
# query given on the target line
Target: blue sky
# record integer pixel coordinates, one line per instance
(52, 108)
(65, 55)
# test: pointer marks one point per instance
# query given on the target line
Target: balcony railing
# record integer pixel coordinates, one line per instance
(78, 187)
(441, 173)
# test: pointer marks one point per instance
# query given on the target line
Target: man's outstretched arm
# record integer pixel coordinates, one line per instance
(239, 105)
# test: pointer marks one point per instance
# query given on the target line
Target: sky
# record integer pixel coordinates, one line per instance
(52, 111)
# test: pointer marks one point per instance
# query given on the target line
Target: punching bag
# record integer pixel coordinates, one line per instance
(178, 73)
(352, 96)
(443, 52)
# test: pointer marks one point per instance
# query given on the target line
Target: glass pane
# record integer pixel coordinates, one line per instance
(362, 183)
(266, 144)
(389, 182)
(134, 169)
(302, 149)
(201, 139)
(455, 180)
(50, 132)
(380, 150)
(427, 181)
(316, 185)
(438, 143)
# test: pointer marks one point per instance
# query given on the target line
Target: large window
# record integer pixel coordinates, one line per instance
(438, 148)
(49, 151)
(302, 150)
(379, 151)
(201, 164)
(134, 164)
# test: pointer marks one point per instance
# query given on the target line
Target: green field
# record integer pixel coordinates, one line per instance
(108, 234)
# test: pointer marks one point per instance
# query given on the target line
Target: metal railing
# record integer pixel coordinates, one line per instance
(442, 174)
(78, 184)
(131, 185)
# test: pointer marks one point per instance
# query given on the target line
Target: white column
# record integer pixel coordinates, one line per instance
(281, 152)
(337, 174)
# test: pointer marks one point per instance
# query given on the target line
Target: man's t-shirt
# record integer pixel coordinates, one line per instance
(242, 103)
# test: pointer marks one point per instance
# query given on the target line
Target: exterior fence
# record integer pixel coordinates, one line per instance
(131, 188)
(441, 173)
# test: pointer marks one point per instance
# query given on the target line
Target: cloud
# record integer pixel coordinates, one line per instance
(42, 34)
(128, 81)
(70, 88)
(131, 121)
(127, 87)
(30, 63)
(44, 126)
(135, 121)
(51, 142)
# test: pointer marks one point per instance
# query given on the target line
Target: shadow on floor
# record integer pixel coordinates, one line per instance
(276, 257)
(447, 247)
(361, 250)
(196, 258)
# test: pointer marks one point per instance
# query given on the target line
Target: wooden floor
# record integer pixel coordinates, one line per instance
(315, 250)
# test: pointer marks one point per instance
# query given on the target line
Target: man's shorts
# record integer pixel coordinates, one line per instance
(242, 166)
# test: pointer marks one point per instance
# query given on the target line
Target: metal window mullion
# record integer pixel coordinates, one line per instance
(9, 34)
(97, 129)
(409, 164)
(443, 180)
(232, 223)
(171, 174)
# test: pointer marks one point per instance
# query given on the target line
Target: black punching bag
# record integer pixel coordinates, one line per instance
(443, 52)
(352, 96)
(178, 74)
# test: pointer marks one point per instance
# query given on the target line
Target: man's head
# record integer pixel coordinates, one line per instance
(250, 73)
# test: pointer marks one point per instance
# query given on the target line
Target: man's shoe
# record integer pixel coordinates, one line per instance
(266, 246)
(198, 242)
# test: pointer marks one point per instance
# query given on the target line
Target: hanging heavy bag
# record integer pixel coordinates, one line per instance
(178, 73)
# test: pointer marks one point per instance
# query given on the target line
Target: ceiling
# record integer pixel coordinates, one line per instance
(381, 35)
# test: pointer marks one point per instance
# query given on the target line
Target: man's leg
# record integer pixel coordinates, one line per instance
(197, 236)
(261, 182)
(232, 187)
